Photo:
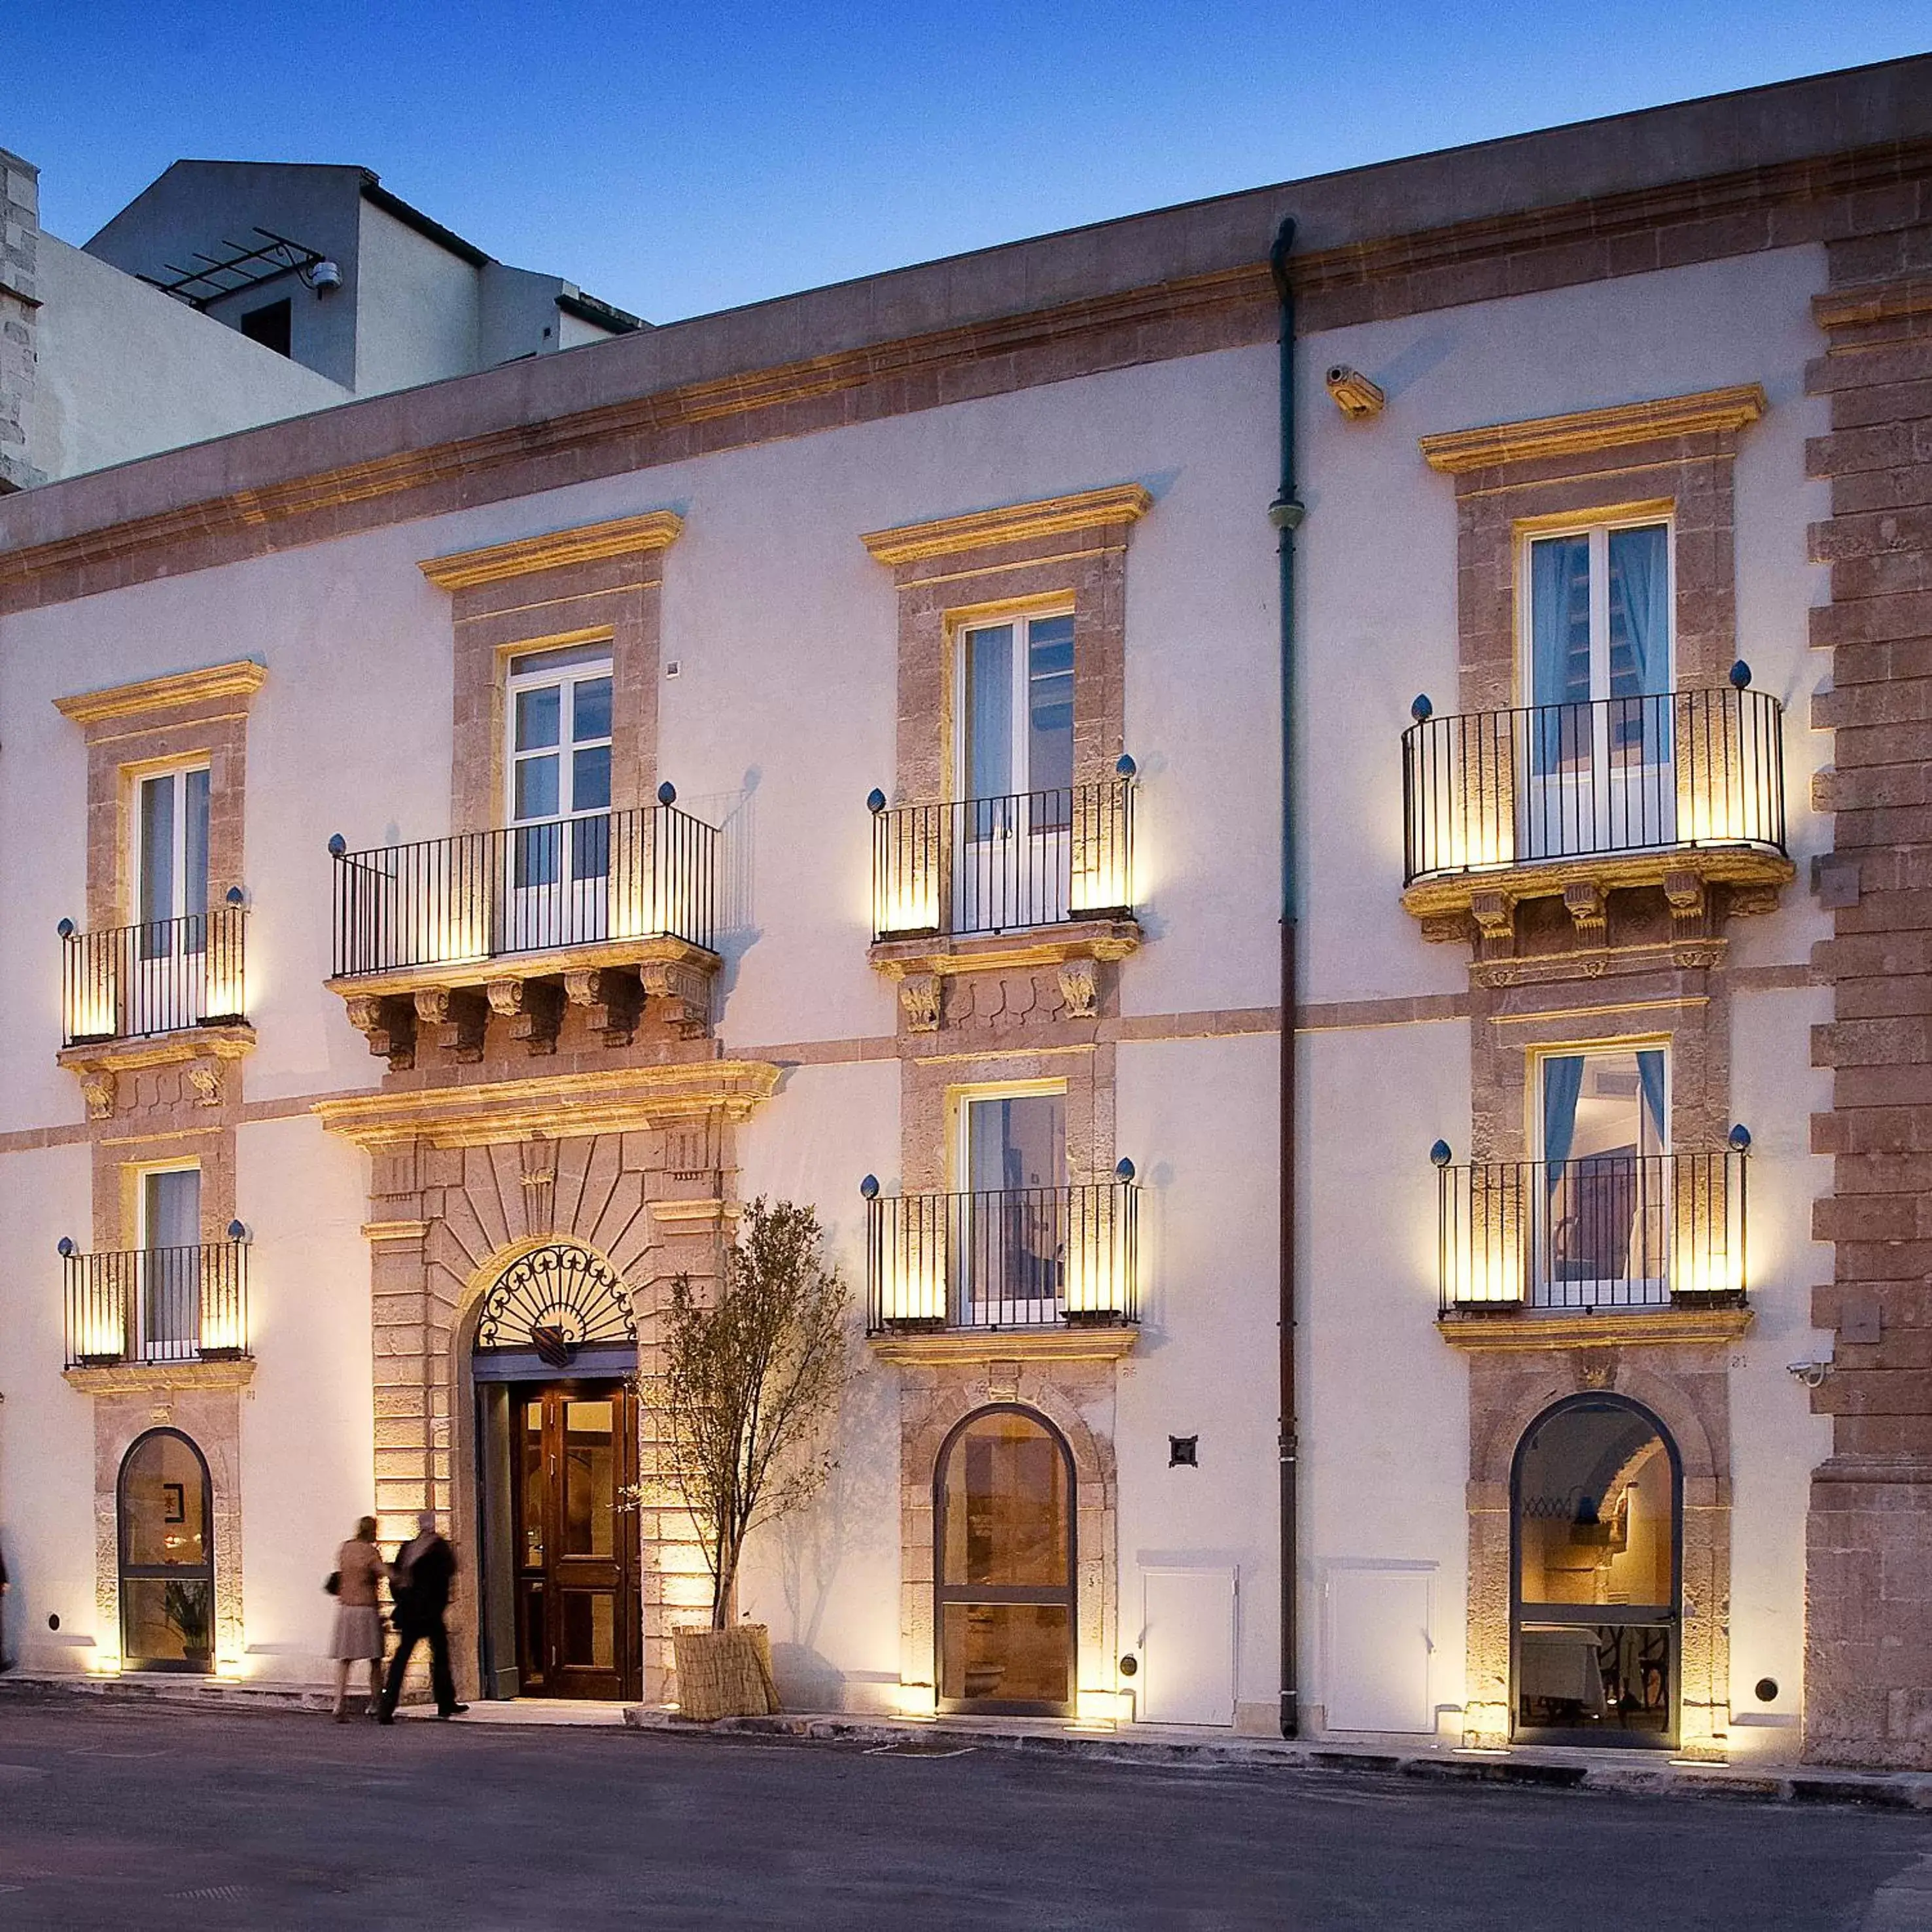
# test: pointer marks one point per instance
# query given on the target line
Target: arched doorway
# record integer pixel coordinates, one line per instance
(165, 1504)
(1596, 1501)
(555, 1363)
(1004, 1566)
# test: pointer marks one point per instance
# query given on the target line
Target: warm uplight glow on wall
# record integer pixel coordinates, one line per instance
(1096, 1259)
(914, 1288)
(92, 989)
(912, 905)
(1698, 1270)
(1476, 847)
(1104, 1707)
(916, 1700)
(1493, 1272)
(460, 932)
(223, 1330)
(101, 1328)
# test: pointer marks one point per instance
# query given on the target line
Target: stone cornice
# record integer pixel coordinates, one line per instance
(157, 1377)
(175, 691)
(587, 543)
(1103, 1341)
(445, 452)
(1872, 302)
(626, 1100)
(1016, 523)
(1514, 1330)
(1710, 412)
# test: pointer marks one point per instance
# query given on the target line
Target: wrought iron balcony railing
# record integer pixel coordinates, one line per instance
(647, 873)
(1492, 789)
(1004, 865)
(131, 982)
(1013, 1258)
(157, 1305)
(1605, 1231)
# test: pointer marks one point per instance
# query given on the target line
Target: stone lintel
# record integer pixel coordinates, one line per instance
(1709, 411)
(1015, 522)
(175, 691)
(585, 543)
(624, 1100)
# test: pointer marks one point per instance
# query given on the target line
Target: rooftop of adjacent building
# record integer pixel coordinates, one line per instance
(1713, 156)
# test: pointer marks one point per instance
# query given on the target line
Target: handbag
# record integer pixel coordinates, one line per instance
(332, 1582)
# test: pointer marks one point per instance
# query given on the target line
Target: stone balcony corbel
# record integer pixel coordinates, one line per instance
(203, 1053)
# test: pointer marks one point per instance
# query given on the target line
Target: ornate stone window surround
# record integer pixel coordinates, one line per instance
(1026, 560)
(1669, 461)
(595, 584)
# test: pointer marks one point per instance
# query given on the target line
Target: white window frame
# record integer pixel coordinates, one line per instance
(1021, 616)
(568, 666)
(178, 775)
(1597, 528)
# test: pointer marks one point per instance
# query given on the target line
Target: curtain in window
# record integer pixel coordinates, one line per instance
(989, 712)
(1559, 576)
(1562, 1082)
(1650, 1077)
(1639, 612)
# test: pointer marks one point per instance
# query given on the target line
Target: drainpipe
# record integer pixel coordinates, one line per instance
(1286, 513)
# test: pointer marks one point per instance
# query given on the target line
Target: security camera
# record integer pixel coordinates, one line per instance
(1811, 1374)
(1355, 396)
(323, 276)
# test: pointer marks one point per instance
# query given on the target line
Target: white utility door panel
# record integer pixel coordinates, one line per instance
(1379, 1646)
(1187, 1647)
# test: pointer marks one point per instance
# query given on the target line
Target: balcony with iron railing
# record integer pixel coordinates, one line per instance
(1030, 878)
(1605, 1238)
(606, 910)
(162, 976)
(157, 1308)
(1616, 793)
(1058, 1265)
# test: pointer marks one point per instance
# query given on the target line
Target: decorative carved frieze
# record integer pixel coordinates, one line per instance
(189, 1065)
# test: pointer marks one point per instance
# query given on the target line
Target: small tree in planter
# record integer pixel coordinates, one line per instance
(750, 1385)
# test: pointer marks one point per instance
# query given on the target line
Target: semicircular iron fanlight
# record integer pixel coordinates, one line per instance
(556, 1299)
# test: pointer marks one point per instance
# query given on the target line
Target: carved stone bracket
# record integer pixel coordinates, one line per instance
(389, 1026)
(458, 1016)
(1684, 891)
(204, 1076)
(919, 995)
(680, 992)
(1080, 988)
(1495, 915)
(534, 1009)
(1583, 900)
(98, 1090)
(611, 999)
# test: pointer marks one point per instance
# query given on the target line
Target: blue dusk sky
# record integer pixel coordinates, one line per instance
(675, 159)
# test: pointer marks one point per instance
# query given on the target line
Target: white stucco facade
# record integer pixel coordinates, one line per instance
(779, 700)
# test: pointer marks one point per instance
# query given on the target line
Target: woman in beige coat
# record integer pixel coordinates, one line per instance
(358, 1622)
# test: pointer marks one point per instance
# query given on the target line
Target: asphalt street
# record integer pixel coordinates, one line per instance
(127, 1816)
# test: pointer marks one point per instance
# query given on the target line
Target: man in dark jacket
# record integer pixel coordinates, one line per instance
(419, 1581)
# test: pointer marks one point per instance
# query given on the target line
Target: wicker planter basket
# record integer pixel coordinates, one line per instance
(724, 1673)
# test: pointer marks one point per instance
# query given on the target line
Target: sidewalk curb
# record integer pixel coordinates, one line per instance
(1897, 1791)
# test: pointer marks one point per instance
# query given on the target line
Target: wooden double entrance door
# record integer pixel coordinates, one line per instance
(574, 1452)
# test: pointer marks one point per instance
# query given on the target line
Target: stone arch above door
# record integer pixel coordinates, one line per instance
(1687, 1390)
(1076, 1398)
